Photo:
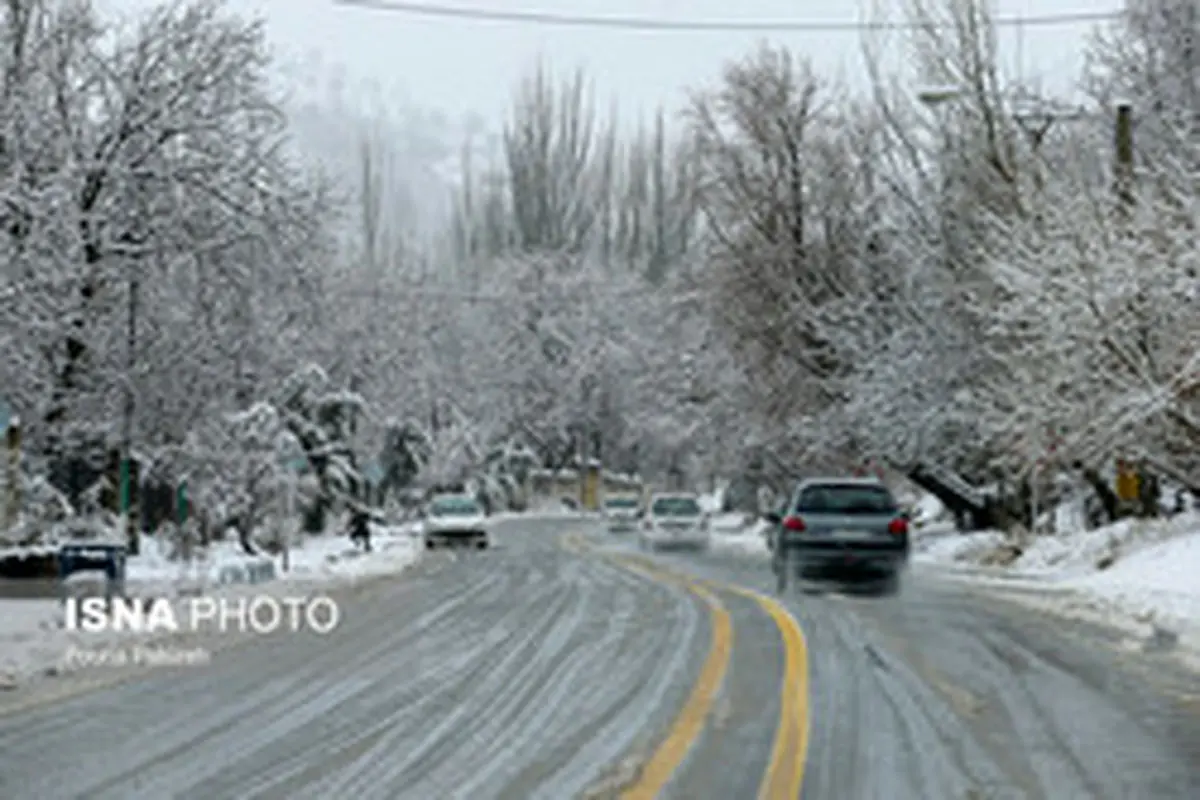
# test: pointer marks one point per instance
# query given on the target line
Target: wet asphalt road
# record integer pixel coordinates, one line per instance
(537, 672)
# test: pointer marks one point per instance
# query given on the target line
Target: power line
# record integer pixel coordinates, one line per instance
(549, 18)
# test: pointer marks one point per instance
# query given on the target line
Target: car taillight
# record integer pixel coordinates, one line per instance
(898, 526)
(793, 524)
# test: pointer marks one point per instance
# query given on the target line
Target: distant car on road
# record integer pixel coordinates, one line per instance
(674, 520)
(621, 513)
(840, 524)
(455, 520)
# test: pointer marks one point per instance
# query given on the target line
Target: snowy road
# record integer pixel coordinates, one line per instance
(949, 692)
(538, 671)
(525, 672)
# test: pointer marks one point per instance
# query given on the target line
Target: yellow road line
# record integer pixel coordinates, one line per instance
(784, 776)
(690, 722)
(657, 772)
(785, 771)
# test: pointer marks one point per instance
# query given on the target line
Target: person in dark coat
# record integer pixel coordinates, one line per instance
(360, 528)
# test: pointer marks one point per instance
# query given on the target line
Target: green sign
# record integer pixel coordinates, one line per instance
(181, 503)
(373, 473)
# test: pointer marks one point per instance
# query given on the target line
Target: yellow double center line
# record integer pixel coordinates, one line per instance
(784, 775)
(785, 771)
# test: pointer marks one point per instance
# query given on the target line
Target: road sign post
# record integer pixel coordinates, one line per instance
(293, 466)
(181, 504)
(184, 530)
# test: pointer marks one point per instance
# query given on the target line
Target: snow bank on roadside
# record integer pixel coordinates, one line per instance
(734, 536)
(712, 502)
(1057, 556)
(1158, 584)
(927, 509)
(1082, 553)
(1144, 573)
(731, 523)
(333, 559)
(955, 548)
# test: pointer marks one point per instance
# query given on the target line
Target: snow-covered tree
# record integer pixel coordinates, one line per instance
(323, 420)
(798, 276)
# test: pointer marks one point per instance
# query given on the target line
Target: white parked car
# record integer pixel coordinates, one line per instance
(621, 513)
(455, 520)
(674, 520)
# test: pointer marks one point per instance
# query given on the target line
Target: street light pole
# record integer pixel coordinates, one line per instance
(130, 529)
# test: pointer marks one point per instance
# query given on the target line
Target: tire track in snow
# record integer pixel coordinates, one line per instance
(471, 682)
(468, 707)
(252, 725)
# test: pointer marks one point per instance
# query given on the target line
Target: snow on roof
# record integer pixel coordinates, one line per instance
(852, 480)
(461, 496)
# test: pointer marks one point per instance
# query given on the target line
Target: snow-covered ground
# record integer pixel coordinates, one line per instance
(737, 533)
(32, 640)
(733, 532)
(712, 502)
(1140, 575)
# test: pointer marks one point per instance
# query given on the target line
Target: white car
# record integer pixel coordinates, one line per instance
(674, 520)
(455, 520)
(621, 513)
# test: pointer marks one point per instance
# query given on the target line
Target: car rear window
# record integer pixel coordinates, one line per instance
(621, 503)
(453, 507)
(835, 498)
(675, 507)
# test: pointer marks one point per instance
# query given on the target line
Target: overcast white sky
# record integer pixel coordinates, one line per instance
(461, 66)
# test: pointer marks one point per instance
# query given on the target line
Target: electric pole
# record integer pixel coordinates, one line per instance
(133, 264)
